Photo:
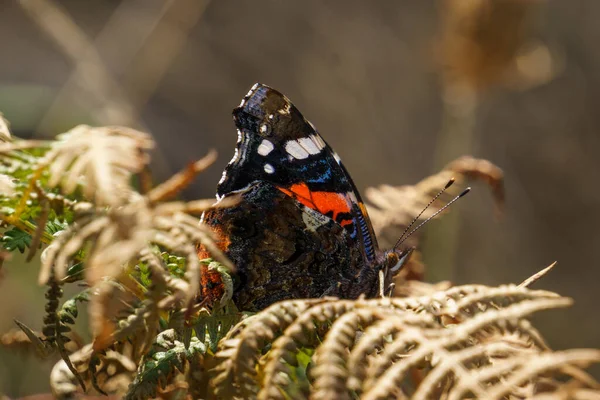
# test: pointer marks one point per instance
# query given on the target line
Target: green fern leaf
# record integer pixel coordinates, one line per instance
(16, 239)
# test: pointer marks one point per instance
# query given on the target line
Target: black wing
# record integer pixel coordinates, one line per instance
(276, 144)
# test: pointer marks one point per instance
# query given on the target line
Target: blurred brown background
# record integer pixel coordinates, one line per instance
(398, 88)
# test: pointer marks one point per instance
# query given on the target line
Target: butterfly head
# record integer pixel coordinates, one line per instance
(394, 261)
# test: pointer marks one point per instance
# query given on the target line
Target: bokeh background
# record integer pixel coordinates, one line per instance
(398, 88)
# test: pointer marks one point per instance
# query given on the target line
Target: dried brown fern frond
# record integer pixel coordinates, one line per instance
(465, 341)
(116, 237)
(392, 208)
(99, 159)
(239, 351)
(120, 234)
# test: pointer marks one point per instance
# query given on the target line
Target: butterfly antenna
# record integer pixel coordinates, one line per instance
(464, 192)
(415, 219)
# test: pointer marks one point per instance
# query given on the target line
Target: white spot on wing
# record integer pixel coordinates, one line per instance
(309, 144)
(269, 169)
(313, 219)
(337, 158)
(295, 150)
(352, 197)
(252, 89)
(265, 147)
(236, 152)
(319, 141)
(236, 156)
(223, 176)
(285, 110)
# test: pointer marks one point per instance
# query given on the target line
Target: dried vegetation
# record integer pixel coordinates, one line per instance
(85, 199)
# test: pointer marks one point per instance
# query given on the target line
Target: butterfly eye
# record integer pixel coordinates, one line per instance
(265, 129)
(397, 260)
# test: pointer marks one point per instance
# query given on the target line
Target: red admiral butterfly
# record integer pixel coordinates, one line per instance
(301, 229)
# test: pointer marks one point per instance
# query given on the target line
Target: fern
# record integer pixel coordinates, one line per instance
(167, 357)
(16, 239)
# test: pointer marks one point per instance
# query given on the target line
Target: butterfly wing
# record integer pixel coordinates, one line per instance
(276, 144)
(283, 250)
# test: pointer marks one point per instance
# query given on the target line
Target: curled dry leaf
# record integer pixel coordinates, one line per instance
(112, 369)
(100, 160)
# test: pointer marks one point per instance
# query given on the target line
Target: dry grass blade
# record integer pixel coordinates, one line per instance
(101, 160)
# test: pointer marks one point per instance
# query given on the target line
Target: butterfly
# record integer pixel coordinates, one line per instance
(300, 229)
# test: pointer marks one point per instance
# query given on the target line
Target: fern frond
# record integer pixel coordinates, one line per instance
(384, 378)
(391, 347)
(392, 208)
(110, 372)
(518, 371)
(304, 332)
(331, 358)
(177, 182)
(100, 160)
(168, 357)
(235, 374)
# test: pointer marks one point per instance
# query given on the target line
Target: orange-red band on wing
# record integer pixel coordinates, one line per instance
(221, 239)
(324, 202)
